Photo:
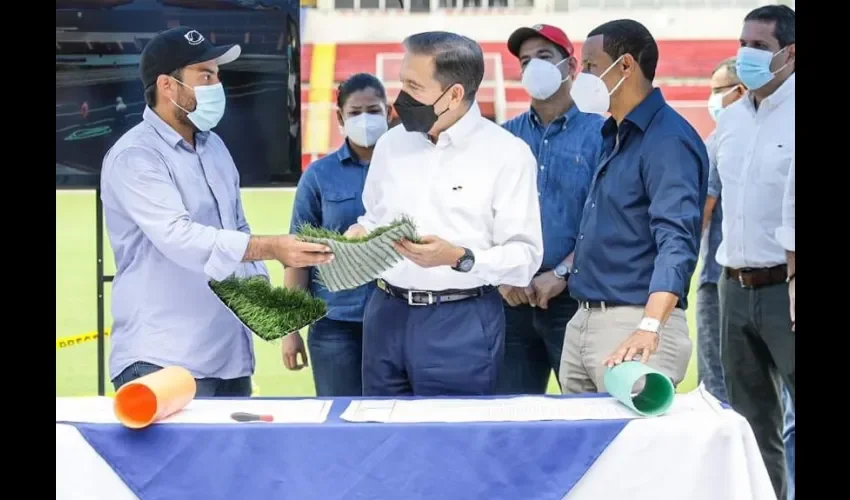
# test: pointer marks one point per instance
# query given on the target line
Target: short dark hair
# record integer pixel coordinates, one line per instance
(457, 59)
(356, 83)
(627, 36)
(729, 64)
(783, 16)
(150, 92)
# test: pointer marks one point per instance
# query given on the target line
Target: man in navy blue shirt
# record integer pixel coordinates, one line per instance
(640, 231)
(567, 144)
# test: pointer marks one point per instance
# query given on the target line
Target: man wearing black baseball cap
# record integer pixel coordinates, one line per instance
(174, 218)
(566, 142)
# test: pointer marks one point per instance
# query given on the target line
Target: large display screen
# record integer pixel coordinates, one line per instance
(99, 94)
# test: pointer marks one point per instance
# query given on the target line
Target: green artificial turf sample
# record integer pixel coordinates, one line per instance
(358, 261)
(270, 312)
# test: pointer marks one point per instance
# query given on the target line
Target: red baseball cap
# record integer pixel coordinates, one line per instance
(551, 33)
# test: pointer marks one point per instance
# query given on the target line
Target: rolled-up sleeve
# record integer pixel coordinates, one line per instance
(255, 268)
(675, 174)
(785, 234)
(517, 233)
(140, 184)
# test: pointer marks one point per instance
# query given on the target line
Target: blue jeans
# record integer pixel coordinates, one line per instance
(709, 367)
(789, 439)
(336, 355)
(534, 339)
(206, 387)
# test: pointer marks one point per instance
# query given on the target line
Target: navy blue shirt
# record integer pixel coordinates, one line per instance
(567, 152)
(329, 195)
(640, 231)
(710, 272)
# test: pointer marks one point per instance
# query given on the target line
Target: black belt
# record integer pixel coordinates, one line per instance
(598, 304)
(426, 298)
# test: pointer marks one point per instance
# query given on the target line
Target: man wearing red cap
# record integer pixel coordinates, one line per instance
(567, 144)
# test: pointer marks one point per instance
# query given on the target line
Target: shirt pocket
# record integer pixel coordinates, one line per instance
(463, 195)
(776, 162)
(341, 208)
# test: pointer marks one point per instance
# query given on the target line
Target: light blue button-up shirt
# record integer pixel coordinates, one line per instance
(174, 218)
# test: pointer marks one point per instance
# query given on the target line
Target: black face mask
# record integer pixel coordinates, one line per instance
(417, 116)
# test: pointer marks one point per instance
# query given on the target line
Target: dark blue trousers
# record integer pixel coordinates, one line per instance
(454, 348)
(534, 339)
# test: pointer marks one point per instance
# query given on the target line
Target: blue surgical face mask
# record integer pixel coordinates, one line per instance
(753, 66)
(210, 103)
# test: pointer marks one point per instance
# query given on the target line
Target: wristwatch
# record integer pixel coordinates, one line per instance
(649, 325)
(562, 271)
(465, 262)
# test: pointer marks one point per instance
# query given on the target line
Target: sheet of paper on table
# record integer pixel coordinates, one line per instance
(201, 411)
(516, 409)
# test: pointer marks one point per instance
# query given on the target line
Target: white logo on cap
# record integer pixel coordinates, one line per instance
(537, 27)
(194, 38)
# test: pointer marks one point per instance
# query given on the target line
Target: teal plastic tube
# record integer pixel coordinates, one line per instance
(657, 394)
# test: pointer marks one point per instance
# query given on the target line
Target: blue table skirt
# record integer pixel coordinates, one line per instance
(351, 461)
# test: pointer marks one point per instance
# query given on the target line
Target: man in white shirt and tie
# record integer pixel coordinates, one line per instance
(754, 144)
(436, 324)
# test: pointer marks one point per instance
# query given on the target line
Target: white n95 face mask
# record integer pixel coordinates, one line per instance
(365, 129)
(715, 103)
(542, 79)
(590, 93)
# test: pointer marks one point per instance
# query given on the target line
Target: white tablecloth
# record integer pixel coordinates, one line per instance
(682, 457)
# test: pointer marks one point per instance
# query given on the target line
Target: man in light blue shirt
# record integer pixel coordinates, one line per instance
(174, 218)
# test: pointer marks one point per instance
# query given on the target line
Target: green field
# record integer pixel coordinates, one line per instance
(268, 212)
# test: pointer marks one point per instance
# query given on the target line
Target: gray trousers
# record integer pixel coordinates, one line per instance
(593, 335)
(757, 351)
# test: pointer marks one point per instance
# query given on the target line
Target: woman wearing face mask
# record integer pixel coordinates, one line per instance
(329, 196)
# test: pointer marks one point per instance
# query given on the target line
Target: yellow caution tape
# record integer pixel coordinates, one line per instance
(72, 340)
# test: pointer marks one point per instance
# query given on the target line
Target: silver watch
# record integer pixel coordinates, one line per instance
(562, 271)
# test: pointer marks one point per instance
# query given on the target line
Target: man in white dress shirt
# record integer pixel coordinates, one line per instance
(754, 144)
(436, 324)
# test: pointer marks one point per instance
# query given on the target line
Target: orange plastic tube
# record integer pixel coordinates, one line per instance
(153, 397)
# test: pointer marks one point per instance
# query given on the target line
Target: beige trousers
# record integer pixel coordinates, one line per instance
(593, 334)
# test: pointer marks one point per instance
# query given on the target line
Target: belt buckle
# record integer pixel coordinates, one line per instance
(412, 293)
(741, 279)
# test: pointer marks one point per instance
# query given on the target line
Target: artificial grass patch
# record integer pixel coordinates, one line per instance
(358, 261)
(270, 312)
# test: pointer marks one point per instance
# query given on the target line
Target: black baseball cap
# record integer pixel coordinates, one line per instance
(179, 47)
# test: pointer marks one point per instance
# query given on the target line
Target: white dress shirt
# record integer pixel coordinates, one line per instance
(754, 153)
(476, 188)
(785, 232)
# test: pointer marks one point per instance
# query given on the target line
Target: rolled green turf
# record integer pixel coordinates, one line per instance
(358, 260)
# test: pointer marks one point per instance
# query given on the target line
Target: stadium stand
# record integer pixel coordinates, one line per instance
(343, 37)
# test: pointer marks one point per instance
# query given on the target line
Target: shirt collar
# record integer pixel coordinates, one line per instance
(786, 90)
(346, 155)
(641, 115)
(464, 127)
(168, 134)
(645, 111)
(567, 116)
